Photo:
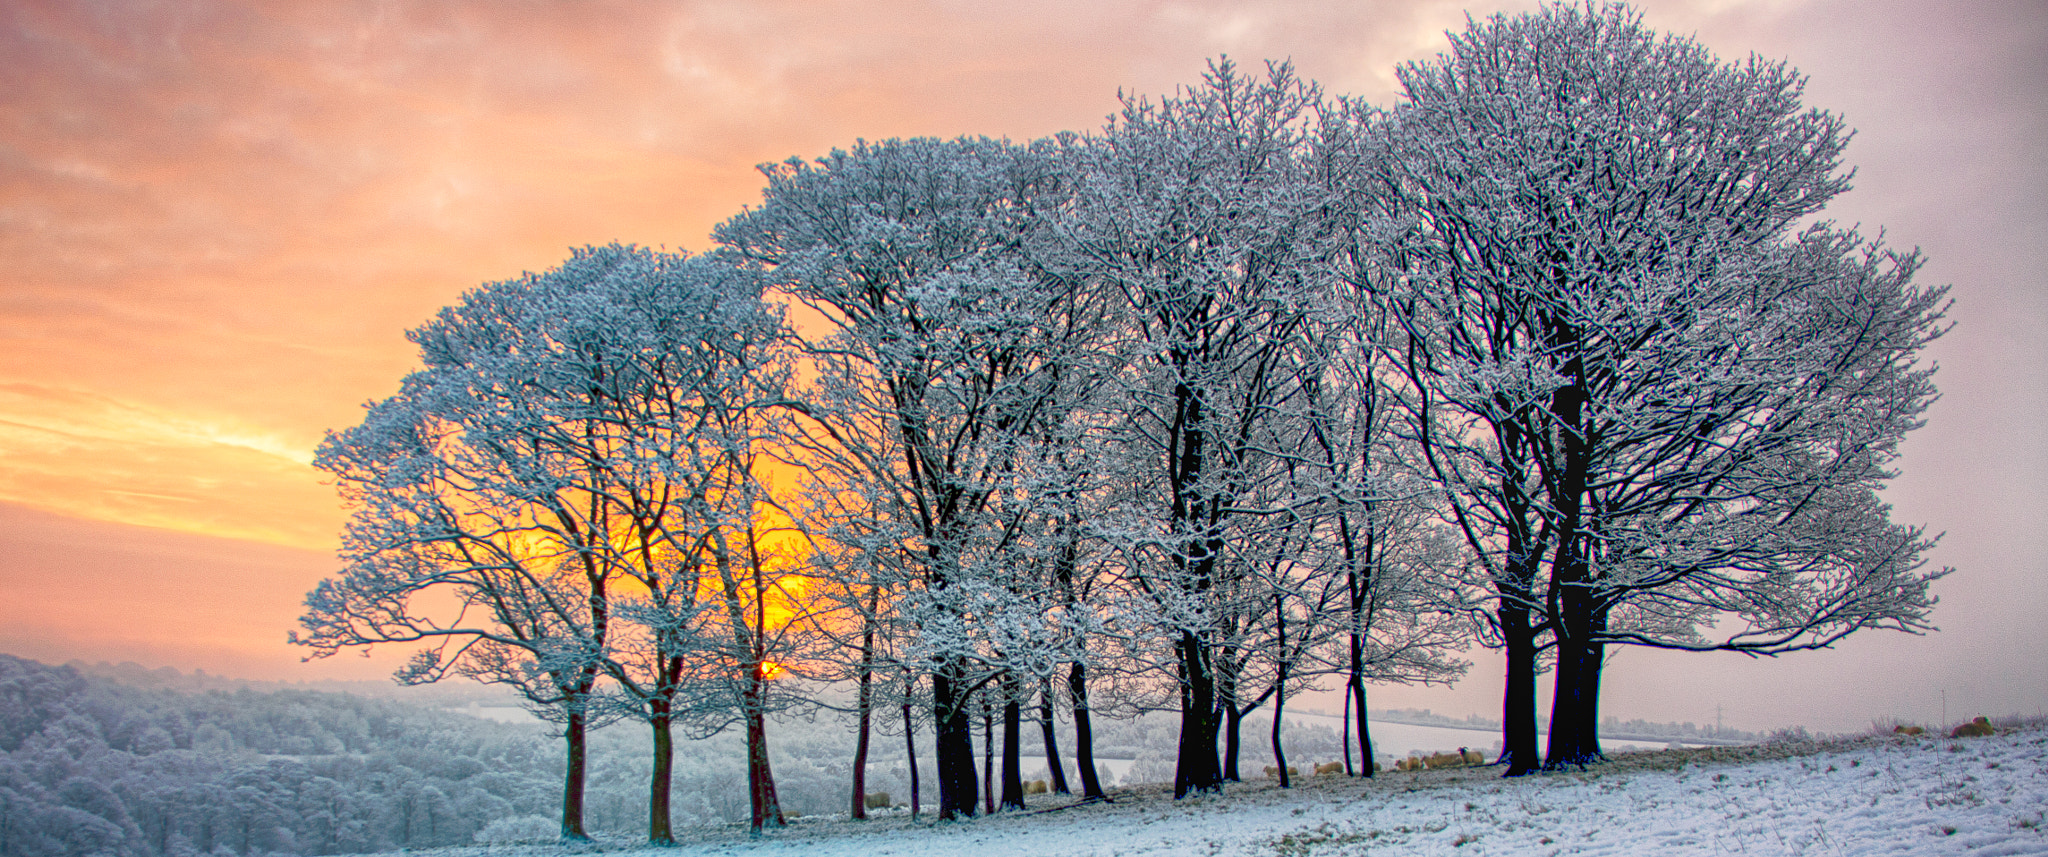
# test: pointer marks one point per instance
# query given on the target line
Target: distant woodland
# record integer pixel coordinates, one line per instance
(127, 761)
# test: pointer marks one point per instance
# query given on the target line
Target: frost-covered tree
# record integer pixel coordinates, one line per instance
(762, 583)
(700, 365)
(1074, 485)
(945, 351)
(850, 616)
(1380, 551)
(1671, 407)
(1195, 214)
(1475, 442)
(1348, 558)
(570, 431)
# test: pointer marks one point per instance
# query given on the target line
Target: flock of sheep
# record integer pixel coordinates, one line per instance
(1977, 728)
(1414, 762)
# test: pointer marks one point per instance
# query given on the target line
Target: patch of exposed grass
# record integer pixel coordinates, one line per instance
(1306, 842)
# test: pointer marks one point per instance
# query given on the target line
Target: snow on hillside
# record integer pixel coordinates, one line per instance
(1865, 796)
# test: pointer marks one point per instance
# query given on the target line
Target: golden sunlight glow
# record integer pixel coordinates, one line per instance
(755, 575)
(97, 457)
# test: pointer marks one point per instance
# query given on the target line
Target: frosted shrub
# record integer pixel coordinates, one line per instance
(1148, 769)
(515, 829)
(1794, 741)
(1793, 735)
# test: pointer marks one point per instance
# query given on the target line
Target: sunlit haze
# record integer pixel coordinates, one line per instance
(217, 221)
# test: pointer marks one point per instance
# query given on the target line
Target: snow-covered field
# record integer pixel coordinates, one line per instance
(1876, 795)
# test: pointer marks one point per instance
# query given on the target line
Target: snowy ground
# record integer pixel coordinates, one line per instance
(1906, 796)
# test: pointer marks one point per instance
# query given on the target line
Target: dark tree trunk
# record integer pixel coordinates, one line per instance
(659, 831)
(1013, 722)
(954, 728)
(1195, 769)
(1574, 708)
(760, 780)
(1589, 717)
(1575, 700)
(859, 809)
(573, 729)
(988, 757)
(1192, 513)
(660, 702)
(1361, 561)
(1345, 734)
(1366, 756)
(910, 748)
(1084, 734)
(1518, 701)
(1514, 597)
(1230, 716)
(1232, 745)
(1280, 684)
(1214, 738)
(1281, 687)
(1280, 755)
(1077, 689)
(579, 713)
(1053, 767)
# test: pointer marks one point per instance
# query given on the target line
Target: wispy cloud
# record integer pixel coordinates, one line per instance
(89, 455)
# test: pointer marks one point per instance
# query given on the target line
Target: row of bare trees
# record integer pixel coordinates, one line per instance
(1255, 386)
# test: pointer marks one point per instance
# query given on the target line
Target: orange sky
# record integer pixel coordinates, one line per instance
(217, 220)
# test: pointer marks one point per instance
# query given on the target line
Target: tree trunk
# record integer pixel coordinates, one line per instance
(1518, 701)
(760, 780)
(573, 728)
(1232, 745)
(1357, 585)
(1514, 597)
(658, 830)
(1280, 755)
(910, 748)
(1053, 767)
(1366, 757)
(1192, 512)
(1575, 701)
(1279, 682)
(1013, 722)
(1230, 717)
(1573, 711)
(955, 748)
(1084, 734)
(859, 809)
(1195, 769)
(1345, 734)
(988, 757)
